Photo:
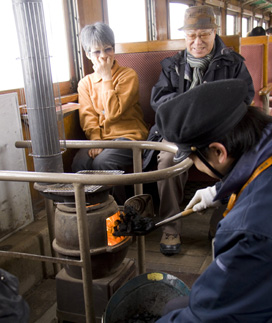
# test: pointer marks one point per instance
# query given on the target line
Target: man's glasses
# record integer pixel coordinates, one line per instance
(97, 53)
(203, 35)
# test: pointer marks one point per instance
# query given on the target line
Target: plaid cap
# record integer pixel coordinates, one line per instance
(199, 17)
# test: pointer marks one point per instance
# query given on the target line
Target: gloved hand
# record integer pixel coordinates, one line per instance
(203, 199)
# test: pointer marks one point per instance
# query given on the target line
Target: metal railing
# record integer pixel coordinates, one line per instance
(137, 178)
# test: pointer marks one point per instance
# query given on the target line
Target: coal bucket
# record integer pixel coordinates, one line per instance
(143, 298)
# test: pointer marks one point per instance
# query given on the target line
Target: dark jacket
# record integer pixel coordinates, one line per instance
(225, 64)
(13, 308)
(237, 286)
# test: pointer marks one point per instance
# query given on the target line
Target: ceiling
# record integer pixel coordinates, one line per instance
(263, 5)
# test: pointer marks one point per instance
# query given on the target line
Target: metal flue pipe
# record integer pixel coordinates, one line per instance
(38, 85)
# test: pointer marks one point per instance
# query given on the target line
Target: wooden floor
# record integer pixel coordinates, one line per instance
(196, 251)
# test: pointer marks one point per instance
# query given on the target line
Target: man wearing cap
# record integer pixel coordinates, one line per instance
(206, 59)
(231, 141)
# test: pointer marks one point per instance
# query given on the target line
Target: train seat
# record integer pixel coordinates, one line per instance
(255, 52)
(270, 71)
(147, 66)
(269, 66)
(253, 55)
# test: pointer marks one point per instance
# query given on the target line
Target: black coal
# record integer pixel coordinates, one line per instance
(131, 223)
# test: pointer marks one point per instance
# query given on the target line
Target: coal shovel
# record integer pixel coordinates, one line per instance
(137, 226)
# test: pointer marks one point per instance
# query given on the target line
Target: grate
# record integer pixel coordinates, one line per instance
(69, 188)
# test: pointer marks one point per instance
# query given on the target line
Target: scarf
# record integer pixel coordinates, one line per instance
(199, 66)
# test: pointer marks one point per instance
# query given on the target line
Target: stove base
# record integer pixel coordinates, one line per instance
(70, 299)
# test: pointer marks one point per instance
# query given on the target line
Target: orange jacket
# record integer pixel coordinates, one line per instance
(110, 109)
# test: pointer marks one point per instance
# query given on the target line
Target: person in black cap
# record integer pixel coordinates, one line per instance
(206, 59)
(231, 141)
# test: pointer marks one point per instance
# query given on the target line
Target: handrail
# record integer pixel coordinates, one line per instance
(78, 181)
(123, 179)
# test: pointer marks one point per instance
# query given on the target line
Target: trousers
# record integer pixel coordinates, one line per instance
(171, 193)
(108, 159)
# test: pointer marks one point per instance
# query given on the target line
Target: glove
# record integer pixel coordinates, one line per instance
(203, 199)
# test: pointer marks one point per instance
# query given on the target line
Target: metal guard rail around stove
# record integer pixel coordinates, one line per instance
(137, 178)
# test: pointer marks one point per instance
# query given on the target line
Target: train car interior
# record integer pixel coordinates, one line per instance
(55, 229)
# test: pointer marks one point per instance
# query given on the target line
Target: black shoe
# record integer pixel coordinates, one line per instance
(170, 244)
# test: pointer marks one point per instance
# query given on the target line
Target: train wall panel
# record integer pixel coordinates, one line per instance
(15, 200)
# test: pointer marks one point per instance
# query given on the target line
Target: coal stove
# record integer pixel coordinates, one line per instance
(110, 268)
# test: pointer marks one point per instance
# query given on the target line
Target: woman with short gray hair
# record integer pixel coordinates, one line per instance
(109, 104)
(96, 34)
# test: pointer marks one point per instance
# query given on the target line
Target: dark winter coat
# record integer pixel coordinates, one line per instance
(237, 286)
(225, 64)
(13, 308)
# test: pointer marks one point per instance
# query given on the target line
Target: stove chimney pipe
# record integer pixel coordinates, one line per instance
(39, 94)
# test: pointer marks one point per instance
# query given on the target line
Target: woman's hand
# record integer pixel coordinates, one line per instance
(103, 66)
(94, 152)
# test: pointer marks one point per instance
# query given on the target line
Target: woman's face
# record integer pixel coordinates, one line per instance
(101, 52)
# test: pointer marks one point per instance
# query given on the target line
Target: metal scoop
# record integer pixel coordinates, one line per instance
(138, 218)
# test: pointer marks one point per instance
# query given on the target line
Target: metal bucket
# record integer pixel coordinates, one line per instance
(143, 298)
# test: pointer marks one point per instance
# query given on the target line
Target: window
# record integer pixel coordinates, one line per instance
(10, 61)
(176, 11)
(57, 39)
(231, 24)
(245, 26)
(10, 64)
(127, 18)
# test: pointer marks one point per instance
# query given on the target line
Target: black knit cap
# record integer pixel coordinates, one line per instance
(202, 115)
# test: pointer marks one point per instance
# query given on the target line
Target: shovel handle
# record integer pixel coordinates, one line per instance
(174, 217)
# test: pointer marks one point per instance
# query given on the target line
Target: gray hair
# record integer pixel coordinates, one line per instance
(96, 34)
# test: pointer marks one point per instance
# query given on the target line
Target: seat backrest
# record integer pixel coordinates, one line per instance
(253, 55)
(145, 58)
(147, 66)
(255, 52)
(270, 59)
(232, 42)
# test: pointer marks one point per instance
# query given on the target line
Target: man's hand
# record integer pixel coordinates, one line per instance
(203, 199)
(94, 152)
